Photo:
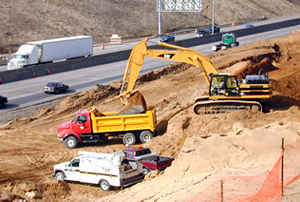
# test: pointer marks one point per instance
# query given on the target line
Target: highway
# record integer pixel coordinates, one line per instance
(126, 46)
(28, 92)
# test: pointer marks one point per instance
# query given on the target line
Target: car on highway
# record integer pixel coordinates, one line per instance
(56, 87)
(167, 38)
(3, 101)
(248, 26)
(201, 32)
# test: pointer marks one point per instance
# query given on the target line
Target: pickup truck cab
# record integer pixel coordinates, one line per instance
(106, 170)
(149, 160)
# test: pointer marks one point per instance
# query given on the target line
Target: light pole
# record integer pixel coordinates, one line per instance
(213, 16)
(159, 16)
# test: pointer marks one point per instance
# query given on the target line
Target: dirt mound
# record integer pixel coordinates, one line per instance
(217, 146)
(86, 98)
(29, 191)
(55, 191)
(288, 85)
(157, 74)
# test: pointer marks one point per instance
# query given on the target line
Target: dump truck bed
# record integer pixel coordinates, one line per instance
(112, 122)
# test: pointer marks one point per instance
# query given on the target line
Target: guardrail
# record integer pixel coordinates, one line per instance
(69, 65)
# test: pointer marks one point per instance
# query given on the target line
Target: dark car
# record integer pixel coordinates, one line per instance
(248, 26)
(167, 38)
(56, 87)
(200, 32)
(3, 101)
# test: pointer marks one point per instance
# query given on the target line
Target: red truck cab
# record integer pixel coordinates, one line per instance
(78, 130)
(149, 160)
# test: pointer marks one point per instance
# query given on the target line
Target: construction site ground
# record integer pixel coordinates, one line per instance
(204, 147)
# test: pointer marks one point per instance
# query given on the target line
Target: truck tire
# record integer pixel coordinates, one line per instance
(60, 176)
(104, 185)
(129, 139)
(71, 142)
(145, 136)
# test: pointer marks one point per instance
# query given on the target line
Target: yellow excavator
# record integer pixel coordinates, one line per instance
(226, 91)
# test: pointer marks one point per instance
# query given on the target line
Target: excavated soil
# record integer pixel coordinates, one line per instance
(204, 147)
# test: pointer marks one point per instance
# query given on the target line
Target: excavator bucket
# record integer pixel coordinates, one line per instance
(136, 104)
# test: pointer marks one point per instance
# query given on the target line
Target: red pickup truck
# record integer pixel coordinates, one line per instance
(149, 160)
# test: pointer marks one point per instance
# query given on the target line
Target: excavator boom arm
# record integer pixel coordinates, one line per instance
(177, 54)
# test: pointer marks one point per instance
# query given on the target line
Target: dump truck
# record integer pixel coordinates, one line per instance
(91, 126)
(229, 40)
(104, 169)
(51, 50)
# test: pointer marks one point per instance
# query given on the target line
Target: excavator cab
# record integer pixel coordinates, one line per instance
(223, 85)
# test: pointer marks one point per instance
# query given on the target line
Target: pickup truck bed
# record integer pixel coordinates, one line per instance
(157, 162)
(149, 160)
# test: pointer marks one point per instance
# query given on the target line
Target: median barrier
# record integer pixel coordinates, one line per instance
(59, 67)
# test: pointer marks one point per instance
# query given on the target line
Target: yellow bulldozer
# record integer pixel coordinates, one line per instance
(226, 91)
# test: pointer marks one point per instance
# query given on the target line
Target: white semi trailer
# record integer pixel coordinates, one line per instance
(51, 50)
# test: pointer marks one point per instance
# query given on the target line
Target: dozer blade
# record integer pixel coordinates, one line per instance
(136, 104)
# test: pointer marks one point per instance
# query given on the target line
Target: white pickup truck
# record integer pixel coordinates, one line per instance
(106, 170)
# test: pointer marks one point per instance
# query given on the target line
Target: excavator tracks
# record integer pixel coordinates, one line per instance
(223, 106)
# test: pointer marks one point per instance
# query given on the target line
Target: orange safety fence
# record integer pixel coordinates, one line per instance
(272, 187)
(266, 187)
(212, 193)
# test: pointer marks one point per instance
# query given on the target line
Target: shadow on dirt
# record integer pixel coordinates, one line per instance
(161, 127)
(113, 141)
(8, 106)
(71, 90)
(279, 102)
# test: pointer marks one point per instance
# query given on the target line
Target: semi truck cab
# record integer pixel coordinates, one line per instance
(52, 50)
(26, 55)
